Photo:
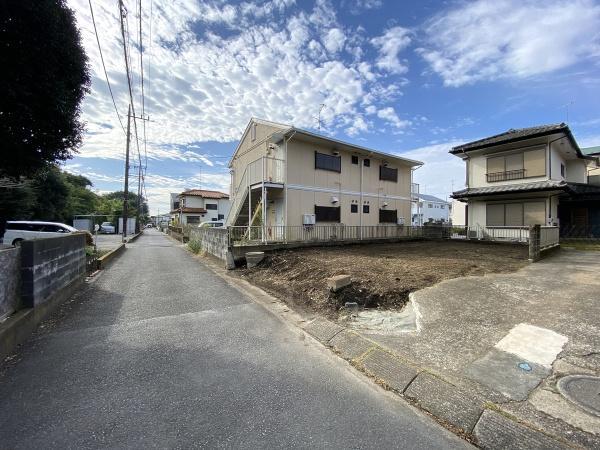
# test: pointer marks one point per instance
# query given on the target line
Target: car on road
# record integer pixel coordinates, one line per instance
(107, 228)
(213, 224)
(149, 225)
(22, 230)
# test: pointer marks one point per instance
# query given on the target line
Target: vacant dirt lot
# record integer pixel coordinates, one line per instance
(383, 274)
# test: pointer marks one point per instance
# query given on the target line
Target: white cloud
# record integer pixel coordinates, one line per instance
(441, 171)
(202, 87)
(334, 40)
(357, 6)
(390, 44)
(486, 40)
(389, 115)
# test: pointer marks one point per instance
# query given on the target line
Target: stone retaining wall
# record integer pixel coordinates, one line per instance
(212, 240)
(10, 281)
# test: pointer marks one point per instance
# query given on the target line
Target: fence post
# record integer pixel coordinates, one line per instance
(534, 242)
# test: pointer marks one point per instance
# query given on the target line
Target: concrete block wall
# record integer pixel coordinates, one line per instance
(212, 240)
(49, 265)
(10, 281)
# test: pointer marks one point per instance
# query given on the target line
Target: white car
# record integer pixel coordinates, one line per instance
(107, 228)
(213, 224)
(22, 230)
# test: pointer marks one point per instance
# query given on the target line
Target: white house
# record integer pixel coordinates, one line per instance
(199, 205)
(458, 212)
(528, 176)
(430, 209)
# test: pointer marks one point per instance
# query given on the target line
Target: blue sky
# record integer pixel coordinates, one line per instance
(412, 78)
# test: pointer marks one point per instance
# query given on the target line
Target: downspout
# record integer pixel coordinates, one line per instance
(360, 210)
(468, 173)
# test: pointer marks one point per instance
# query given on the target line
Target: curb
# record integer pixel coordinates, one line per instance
(105, 260)
(464, 413)
(134, 237)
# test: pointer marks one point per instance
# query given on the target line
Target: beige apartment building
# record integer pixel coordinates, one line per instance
(303, 179)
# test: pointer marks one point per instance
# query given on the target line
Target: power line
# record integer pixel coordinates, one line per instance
(104, 67)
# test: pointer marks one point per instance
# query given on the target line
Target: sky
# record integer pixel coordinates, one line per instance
(403, 77)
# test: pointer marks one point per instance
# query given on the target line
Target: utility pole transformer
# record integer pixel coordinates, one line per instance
(126, 187)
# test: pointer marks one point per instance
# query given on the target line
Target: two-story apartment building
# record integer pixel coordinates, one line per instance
(430, 209)
(300, 178)
(528, 176)
(199, 205)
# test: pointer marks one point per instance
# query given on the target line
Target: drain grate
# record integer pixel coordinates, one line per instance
(583, 390)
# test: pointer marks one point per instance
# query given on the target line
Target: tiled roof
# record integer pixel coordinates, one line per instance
(591, 150)
(514, 135)
(205, 194)
(507, 188)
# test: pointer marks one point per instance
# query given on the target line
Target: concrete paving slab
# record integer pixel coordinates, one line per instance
(445, 401)
(393, 372)
(350, 345)
(535, 344)
(386, 322)
(557, 406)
(323, 329)
(494, 430)
(500, 371)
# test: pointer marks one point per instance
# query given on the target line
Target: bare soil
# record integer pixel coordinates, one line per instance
(383, 275)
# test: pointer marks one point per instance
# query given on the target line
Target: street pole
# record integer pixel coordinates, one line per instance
(126, 188)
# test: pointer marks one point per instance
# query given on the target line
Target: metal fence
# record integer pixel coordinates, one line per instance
(549, 237)
(506, 234)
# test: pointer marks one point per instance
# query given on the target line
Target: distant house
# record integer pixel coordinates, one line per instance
(199, 205)
(529, 176)
(593, 172)
(294, 177)
(430, 209)
(458, 213)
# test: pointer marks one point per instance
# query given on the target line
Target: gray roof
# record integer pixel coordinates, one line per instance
(506, 188)
(514, 135)
(430, 198)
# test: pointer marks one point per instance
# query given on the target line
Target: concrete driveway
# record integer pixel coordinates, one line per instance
(159, 352)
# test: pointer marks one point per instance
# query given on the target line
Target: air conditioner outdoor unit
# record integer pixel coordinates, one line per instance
(308, 219)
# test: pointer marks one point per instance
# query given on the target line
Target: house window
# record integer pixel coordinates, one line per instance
(430, 205)
(354, 159)
(365, 209)
(221, 216)
(175, 205)
(562, 170)
(212, 206)
(253, 132)
(388, 216)
(327, 213)
(515, 214)
(328, 162)
(388, 174)
(514, 166)
(367, 162)
(442, 206)
(193, 219)
(354, 208)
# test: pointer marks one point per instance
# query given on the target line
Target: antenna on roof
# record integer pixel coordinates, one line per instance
(318, 119)
(567, 107)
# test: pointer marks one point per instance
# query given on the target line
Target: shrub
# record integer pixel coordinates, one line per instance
(195, 246)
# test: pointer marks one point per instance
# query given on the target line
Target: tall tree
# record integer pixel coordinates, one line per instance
(43, 80)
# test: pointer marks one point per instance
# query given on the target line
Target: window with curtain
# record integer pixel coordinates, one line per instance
(515, 214)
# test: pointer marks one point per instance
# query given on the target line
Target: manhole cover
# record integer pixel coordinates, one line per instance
(583, 390)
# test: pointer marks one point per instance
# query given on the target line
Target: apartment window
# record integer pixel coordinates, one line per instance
(327, 213)
(175, 205)
(367, 162)
(212, 206)
(354, 208)
(328, 162)
(193, 220)
(388, 174)
(442, 206)
(253, 132)
(388, 216)
(354, 159)
(221, 216)
(531, 163)
(515, 214)
(365, 209)
(562, 170)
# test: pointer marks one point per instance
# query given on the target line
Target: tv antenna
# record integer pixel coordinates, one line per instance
(567, 107)
(318, 118)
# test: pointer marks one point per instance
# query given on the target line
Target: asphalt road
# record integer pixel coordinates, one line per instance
(159, 352)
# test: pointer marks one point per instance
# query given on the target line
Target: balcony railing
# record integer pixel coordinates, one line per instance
(507, 175)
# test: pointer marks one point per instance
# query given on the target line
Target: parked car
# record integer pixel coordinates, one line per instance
(22, 230)
(107, 228)
(149, 225)
(213, 224)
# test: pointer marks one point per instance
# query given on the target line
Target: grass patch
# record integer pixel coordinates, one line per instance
(194, 246)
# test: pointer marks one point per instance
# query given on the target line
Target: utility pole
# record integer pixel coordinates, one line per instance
(126, 188)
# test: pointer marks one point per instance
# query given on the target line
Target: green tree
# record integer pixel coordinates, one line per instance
(133, 198)
(43, 80)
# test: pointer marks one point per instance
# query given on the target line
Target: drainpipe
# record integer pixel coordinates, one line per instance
(468, 173)
(360, 207)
